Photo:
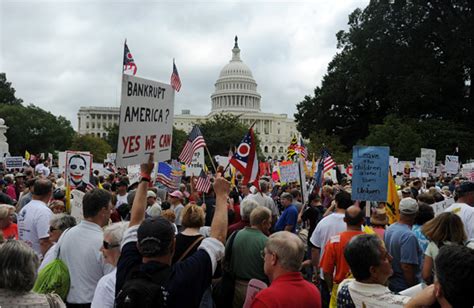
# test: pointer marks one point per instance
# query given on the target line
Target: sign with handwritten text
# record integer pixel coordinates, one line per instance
(370, 173)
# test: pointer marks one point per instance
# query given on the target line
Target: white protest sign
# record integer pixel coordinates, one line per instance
(62, 161)
(452, 164)
(428, 160)
(13, 162)
(78, 168)
(76, 205)
(197, 163)
(393, 162)
(289, 173)
(146, 121)
(439, 207)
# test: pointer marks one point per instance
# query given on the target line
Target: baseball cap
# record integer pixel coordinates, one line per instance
(177, 194)
(408, 206)
(154, 236)
(406, 190)
(150, 194)
(20, 175)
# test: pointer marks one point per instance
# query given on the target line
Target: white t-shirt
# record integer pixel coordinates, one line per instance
(104, 295)
(373, 295)
(466, 213)
(121, 200)
(33, 224)
(265, 201)
(326, 228)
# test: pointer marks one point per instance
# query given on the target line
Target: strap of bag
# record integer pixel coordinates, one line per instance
(228, 251)
(190, 248)
(60, 240)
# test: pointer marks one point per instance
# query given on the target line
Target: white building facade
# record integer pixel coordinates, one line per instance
(235, 93)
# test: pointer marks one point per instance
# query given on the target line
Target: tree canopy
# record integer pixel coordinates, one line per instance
(31, 128)
(410, 59)
(96, 145)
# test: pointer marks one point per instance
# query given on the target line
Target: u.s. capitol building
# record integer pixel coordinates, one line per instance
(235, 93)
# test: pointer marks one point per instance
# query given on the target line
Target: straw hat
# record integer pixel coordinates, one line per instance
(379, 217)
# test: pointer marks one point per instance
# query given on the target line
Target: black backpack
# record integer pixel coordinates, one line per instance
(142, 289)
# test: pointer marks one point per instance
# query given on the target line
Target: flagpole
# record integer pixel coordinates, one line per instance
(212, 162)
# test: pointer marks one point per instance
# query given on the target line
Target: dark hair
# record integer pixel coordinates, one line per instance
(94, 201)
(426, 198)
(77, 156)
(343, 200)
(42, 187)
(165, 205)
(425, 213)
(455, 272)
(235, 196)
(295, 193)
(438, 197)
(362, 252)
(354, 220)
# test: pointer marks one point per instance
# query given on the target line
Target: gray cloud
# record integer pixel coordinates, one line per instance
(63, 55)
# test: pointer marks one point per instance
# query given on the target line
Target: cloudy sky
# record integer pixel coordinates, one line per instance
(64, 54)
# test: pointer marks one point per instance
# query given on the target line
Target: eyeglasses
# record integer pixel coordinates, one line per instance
(107, 245)
(51, 229)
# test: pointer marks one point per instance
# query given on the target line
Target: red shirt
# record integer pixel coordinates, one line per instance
(288, 290)
(333, 256)
(237, 226)
(10, 232)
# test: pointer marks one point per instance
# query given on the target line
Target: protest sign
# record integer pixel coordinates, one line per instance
(76, 205)
(146, 121)
(428, 160)
(452, 164)
(254, 286)
(13, 162)
(78, 168)
(393, 161)
(62, 161)
(439, 207)
(197, 163)
(288, 172)
(370, 173)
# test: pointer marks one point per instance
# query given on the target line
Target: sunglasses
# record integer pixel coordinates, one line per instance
(107, 245)
(51, 229)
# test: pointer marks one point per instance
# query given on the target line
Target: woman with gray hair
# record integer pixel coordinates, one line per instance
(57, 225)
(18, 265)
(104, 295)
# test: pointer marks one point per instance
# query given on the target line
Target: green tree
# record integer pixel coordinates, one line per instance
(7, 92)
(112, 137)
(97, 146)
(413, 59)
(320, 140)
(36, 130)
(179, 139)
(223, 132)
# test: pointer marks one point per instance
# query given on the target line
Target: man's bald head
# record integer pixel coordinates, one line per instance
(354, 216)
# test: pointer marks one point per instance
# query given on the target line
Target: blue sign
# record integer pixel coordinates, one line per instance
(370, 173)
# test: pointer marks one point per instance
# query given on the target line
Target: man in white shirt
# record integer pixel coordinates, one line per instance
(175, 198)
(326, 228)
(464, 206)
(263, 199)
(80, 247)
(121, 193)
(34, 217)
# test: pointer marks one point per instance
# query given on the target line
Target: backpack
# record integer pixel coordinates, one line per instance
(143, 289)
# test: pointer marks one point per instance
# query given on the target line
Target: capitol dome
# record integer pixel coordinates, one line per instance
(235, 89)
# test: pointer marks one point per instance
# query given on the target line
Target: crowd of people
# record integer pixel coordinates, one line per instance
(139, 245)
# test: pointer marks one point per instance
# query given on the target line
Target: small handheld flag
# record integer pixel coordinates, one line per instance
(203, 183)
(194, 142)
(245, 159)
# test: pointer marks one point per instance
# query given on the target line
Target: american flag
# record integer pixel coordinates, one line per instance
(128, 62)
(245, 159)
(303, 149)
(329, 163)
(203, 183)
(175, 81)
(194, 142)
(165, 176)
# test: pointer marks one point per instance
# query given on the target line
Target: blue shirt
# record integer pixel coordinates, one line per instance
(288, 217)
(422, 240)
(403, 245)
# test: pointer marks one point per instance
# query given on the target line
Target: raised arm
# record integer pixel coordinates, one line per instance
(139, 202)
(219, 221)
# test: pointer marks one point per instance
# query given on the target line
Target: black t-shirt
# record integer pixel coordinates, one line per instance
(182, 244)
(188, 280)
